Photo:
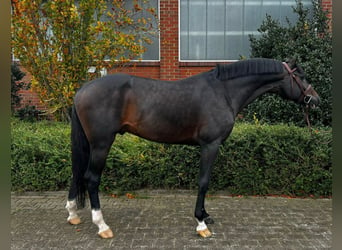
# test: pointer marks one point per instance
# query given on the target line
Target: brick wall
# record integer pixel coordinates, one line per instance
(327, 5)
(169, 67)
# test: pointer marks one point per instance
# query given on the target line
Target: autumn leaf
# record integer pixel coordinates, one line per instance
(130, 196)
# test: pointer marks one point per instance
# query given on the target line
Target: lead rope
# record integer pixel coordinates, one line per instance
(307, 118)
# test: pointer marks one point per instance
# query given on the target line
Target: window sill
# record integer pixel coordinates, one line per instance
(202, 64)
(144, 64)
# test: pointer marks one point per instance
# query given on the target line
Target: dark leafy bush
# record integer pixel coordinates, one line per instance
(256, 159)
(16, 84)
(309, 40)
(29, 113)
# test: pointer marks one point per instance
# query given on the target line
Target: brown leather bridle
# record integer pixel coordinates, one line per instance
(305, 96)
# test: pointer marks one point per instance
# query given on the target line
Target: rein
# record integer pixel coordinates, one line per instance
(307, 119)
(305, 93)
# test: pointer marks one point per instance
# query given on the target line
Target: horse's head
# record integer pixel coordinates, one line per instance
(296, 87)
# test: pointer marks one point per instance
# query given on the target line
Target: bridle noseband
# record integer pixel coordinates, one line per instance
(305, 97)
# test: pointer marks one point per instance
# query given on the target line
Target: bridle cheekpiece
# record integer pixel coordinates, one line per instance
(305, 96)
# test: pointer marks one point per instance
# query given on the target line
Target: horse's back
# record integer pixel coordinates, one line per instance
(104, 84)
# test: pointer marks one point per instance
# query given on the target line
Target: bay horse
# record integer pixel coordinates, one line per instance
(199, 110)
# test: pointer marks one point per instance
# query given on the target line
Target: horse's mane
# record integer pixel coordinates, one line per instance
(255, 66)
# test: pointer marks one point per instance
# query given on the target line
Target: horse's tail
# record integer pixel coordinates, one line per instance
(80, 157)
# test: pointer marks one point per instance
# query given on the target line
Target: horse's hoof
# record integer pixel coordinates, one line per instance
(204, 233)
(75, 221)
(106, 234)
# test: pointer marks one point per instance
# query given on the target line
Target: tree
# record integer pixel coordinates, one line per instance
(309, 40)
(57, 41)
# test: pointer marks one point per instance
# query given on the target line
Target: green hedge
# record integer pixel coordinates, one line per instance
(40, 156)
(256, 159)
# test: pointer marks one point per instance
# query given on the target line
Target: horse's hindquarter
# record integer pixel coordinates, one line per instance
(99, 105)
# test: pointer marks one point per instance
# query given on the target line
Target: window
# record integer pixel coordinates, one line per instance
(218, 29)
(152, 50)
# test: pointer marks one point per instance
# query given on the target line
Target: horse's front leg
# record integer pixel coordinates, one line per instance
(208, 156)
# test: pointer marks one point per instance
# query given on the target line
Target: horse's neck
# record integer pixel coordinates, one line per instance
(258, 92)
(248, 91)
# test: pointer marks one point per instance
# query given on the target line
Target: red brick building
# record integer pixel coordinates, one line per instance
(195, 35)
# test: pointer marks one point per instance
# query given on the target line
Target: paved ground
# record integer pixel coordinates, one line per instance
(164, 220)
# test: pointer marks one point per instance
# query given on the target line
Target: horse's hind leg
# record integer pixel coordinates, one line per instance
(97, 162)
(71, 206)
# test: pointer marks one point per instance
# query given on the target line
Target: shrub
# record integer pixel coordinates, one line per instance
(256, 159)
(16, 84)
(29, 113)
(309, 40)
(40, 156)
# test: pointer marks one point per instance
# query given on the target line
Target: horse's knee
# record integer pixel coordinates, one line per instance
(203, 186)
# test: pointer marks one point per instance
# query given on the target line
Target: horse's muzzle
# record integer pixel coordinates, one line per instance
(312, 101)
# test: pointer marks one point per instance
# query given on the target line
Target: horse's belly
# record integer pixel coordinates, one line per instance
(161, 133)
(172, 123)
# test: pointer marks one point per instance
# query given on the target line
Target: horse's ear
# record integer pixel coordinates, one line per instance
(292, 62)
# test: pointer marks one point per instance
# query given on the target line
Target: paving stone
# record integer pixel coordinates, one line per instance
(163, 219)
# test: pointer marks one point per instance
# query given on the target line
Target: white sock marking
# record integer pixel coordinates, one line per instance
(71, 207)
(201, 226)
(98, 220)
